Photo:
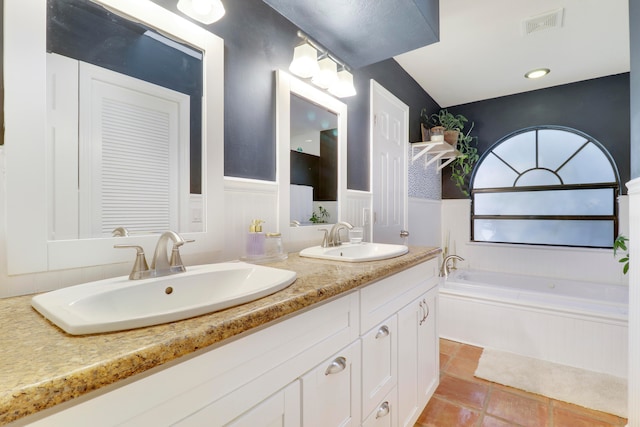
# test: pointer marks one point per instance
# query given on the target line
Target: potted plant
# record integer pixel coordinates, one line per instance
(452, 124)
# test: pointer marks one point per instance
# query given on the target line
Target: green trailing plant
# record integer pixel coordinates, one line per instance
(462, 166)
(446, 119)
(621, 244)
(321, 217)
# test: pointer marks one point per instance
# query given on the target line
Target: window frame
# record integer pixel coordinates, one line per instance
(614, 185)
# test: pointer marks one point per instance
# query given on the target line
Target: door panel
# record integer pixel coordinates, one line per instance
(390, 118)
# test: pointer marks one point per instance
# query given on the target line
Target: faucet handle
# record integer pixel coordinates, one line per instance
(325, 238)
(176, 260)
(140, 265)
(120, 232)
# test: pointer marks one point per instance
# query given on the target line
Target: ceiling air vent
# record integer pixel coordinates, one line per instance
(546, 21)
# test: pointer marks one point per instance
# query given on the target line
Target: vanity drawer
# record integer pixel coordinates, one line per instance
(381, 299)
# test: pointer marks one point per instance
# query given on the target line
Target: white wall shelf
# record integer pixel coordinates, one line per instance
(439, 149)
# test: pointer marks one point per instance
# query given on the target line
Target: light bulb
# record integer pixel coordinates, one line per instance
(327, 74)
(202, 7)
(305, 61)
(343, 88)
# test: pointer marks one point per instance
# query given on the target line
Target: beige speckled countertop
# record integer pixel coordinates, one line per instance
(42, 366)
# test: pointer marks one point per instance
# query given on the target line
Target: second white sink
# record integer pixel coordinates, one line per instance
(119, 303)
(358, 252)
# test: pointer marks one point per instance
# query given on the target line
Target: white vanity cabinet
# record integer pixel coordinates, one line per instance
(407, 302)
(367, 358)
(248, 377)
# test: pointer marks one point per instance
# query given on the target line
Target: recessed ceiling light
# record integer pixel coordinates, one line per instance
(537, 73)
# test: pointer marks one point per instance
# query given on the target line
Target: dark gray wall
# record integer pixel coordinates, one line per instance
(598, 107)
(258, 41)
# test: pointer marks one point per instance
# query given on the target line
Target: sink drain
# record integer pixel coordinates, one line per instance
(168, 290)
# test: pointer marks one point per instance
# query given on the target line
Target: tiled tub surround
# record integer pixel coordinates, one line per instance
(42, 366)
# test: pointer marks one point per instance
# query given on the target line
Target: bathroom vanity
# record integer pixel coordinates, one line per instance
(346, 344)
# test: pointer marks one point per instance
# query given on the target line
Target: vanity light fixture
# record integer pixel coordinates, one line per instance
(323, 73)
(537, 73)
(205, 11)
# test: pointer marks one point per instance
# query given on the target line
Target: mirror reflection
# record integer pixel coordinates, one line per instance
(126, 148)
(313, 163)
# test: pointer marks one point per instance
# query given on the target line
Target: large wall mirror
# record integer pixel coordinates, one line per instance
(311, 137)
(68, 94)
(124, 125)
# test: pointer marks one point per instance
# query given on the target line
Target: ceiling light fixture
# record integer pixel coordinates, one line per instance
(537, 73)
(323, 73)
(205, 11)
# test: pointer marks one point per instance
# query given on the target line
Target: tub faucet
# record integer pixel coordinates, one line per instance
(334, 234)
(445, 268)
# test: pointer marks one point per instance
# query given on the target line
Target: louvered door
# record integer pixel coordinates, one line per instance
(133, 168)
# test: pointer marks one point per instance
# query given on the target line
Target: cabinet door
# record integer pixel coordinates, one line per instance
(379, 363)
(418, 367)
(428, 349)
(331, 391)
(280, 410)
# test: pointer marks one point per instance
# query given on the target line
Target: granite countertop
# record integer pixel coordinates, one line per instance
(43, 366)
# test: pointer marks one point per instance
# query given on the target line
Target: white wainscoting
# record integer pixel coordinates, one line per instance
(634, 304)
(244, 201)
(358, 211)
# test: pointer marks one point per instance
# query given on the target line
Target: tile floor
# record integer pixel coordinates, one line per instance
(463, 400)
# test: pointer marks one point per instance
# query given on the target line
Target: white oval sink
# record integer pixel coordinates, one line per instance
(358, 252)
(119, 303)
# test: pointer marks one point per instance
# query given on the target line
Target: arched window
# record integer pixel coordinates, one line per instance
(546, 185)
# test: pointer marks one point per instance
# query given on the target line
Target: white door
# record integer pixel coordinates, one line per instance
(389, 139)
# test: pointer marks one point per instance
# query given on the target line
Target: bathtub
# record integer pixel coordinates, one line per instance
(580, 324)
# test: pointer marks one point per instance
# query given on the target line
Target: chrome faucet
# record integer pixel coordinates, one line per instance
(334, 234)
(161, 265)
(445, 268)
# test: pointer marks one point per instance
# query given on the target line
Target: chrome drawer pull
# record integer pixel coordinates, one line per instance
(422, 311)
(382, 332)
(336, 366)
(427, 307)
(383, 410)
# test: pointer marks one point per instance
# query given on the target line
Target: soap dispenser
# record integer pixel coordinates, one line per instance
(255, 239)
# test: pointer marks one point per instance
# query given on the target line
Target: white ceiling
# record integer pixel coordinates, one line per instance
(483, 52)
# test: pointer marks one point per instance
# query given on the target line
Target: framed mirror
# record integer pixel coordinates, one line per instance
(311, 134)
(124, 125)
(313, 197)
(32, 192)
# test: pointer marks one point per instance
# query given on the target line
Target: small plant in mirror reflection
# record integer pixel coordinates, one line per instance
(321, 217)
(621, 244)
